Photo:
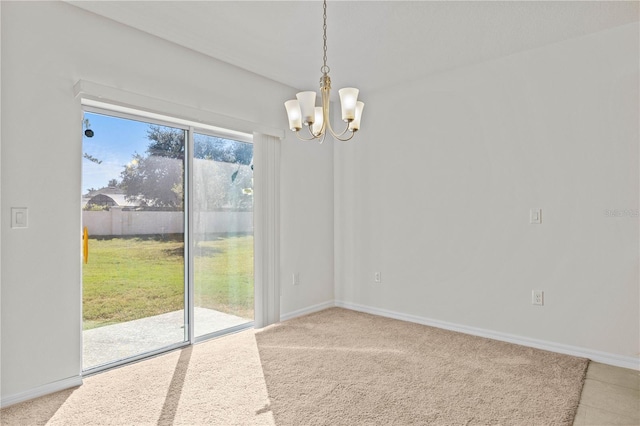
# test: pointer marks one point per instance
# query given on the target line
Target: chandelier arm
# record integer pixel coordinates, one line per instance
(323, 130)
(326, 107)
(313, 137)
(343, 139)
(337, 135)
(321, 139)
(324, 92)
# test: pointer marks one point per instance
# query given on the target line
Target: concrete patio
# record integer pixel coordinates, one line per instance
(115, 342)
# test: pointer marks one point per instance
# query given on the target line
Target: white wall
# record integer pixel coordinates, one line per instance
(306, 225)
(435, 194)
(46, 48)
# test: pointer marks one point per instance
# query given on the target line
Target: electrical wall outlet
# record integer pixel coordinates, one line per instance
(377, 278)
(537, 297)
(296, 278)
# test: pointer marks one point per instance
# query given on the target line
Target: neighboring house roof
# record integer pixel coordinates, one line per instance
(108, 196)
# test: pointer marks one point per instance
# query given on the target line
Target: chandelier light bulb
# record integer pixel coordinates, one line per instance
(294, 114)
(307, 106)
(355, 124)
(348, 99)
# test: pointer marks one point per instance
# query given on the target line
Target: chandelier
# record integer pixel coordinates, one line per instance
(303, 110)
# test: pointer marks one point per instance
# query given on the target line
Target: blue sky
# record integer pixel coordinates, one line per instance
(114, 142)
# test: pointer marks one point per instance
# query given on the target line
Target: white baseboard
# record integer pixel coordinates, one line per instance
(307, 310)
(597, 356)
(56, 386)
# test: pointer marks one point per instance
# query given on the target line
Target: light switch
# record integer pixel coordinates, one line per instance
(535, 216)
(19, 217)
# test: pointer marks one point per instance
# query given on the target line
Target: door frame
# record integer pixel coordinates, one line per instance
(267, 144)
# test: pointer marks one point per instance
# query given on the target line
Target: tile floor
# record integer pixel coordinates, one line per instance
(611, 396)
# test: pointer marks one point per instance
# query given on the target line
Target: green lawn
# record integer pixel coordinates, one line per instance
(131, 278)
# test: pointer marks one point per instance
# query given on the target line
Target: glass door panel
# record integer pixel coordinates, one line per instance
(133, 274)
(222, 233)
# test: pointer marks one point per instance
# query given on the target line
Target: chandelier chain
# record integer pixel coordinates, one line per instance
(325, 68)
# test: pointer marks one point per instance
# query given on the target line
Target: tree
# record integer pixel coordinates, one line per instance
(224, 150)
(92, 158)
(156, 179)
(166, 142)
(222, 173)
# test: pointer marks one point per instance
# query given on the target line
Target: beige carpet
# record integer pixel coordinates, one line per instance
(218, 382)
(339, 367)
(335, 367)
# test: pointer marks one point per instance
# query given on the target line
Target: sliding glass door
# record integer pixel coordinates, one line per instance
(222, 233)
(149, 187)
(133, 214)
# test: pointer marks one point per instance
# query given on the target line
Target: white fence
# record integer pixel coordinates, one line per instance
(130, 222)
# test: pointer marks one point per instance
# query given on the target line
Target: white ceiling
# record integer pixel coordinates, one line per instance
(371, 44)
